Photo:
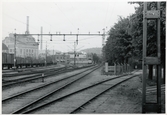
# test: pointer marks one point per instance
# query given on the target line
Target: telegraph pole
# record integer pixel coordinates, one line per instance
(53, 55)
(15, 50)
(46, 54)
(103, 38)
(41, 37)
(74, 53)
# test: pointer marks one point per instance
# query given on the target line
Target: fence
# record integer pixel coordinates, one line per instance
(117, 69)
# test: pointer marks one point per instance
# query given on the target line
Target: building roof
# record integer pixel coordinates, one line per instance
(23, 39)
(4, 47)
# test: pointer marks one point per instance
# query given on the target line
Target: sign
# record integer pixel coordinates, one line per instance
(152, 14)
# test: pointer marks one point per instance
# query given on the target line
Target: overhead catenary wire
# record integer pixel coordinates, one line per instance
(110, 17)
(38, 17)
(65, 16)
(18, 20)
(78, 16)
(106, 15)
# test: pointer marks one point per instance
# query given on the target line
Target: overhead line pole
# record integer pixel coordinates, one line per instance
(74, 54)
(15, 51)
(61, 34)
(46, 55)
(41, 37)
(64, 37)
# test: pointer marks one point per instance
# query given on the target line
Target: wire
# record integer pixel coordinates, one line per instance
(106, 14)
(14, 18)
(111, 12)
(85, 38)
(35, 15)
(78, 16)
(17, 20)
(65, 16)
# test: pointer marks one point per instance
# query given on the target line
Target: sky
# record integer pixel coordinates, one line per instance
(64, 17)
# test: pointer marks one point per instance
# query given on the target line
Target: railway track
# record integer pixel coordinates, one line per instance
(75, 107)
(23, 79)
(31, 71)
(49, 87)
(44, 102)
(20, 80)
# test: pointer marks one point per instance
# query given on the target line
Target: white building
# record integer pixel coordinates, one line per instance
(25, 45)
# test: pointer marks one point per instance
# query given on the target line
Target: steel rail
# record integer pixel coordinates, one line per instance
(41, 86)
(29, 72)
(65, 96)
(27, 79)
(36, 74)
(96, 96)
(20, 110)
(35, 77)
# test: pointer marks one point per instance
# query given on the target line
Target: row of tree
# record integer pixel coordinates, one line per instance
(125, 41)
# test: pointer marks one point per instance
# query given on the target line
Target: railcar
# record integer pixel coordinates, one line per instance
(8, 61)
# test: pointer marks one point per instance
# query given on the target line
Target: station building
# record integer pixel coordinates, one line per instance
(4, 48)
(25, 45)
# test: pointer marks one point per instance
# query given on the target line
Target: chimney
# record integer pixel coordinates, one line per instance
(27, 30)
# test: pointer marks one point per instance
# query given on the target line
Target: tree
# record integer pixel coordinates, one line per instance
(119, 43)
(137, 33)
(125, 41)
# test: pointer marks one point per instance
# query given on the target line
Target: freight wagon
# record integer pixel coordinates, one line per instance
(8, 61)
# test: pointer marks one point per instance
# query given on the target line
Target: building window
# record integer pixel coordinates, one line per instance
(20, 51)
(10, 50)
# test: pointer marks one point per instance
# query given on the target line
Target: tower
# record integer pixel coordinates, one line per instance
(27, 28)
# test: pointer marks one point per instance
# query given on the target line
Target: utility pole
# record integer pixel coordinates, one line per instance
(74, 53)
(103, 38)
(15, 50)
(53, 55)
(41, 37)
(46, 54)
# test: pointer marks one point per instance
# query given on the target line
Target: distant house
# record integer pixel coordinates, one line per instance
(25, 45)
(62, 58)
(4, 48)
(42, 53)
(79, 56)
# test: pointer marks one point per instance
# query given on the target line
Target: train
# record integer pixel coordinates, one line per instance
(81, 61)
(8, 61)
